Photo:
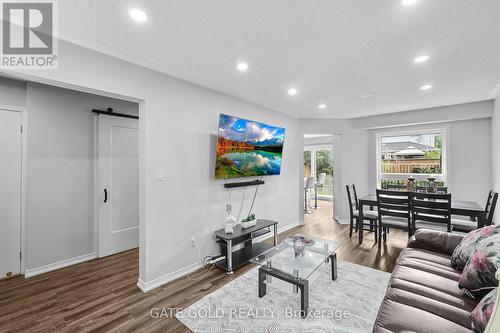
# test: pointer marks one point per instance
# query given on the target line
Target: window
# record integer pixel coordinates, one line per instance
(418, 154)
(318, 160)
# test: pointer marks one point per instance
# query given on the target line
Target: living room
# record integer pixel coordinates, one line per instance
(356, 72)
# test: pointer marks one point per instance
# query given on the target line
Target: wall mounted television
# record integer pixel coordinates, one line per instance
(247, 148)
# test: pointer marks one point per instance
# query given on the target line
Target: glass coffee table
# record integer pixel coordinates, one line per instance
(295, 267)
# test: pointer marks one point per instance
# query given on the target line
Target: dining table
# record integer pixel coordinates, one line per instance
(470, 209)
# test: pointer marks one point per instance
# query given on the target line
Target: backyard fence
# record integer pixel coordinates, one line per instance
(411, 166)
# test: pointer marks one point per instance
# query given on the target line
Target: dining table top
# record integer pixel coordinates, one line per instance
(371, 199)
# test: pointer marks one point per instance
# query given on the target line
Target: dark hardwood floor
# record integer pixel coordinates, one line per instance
(102, 296)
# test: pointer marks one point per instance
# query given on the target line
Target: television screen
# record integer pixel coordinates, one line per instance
(247, 148)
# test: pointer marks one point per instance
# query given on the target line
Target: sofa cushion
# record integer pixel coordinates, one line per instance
(432, 240)
(437, 280)
(432, 266)
(467, 246)
(478, 276)
(397, 317)
(423, 296)
(482, 313)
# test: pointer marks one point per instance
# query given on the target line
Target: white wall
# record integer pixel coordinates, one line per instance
(323, 140)
(470, 138)
(12, 93)
(350, 158)
(177, 127)
(60, 174)
(495, 147)
(466, 111)
(469, 157)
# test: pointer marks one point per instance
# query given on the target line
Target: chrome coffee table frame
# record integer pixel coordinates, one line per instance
(293, 277)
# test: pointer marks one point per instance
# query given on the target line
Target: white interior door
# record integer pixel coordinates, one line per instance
(10, 193)
(118, 184)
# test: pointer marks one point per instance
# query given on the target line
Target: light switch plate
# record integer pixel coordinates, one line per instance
(160, 175)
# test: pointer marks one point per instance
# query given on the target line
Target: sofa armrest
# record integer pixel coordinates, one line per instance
(443, 242)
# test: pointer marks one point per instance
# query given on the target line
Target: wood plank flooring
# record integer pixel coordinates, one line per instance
(102, 296)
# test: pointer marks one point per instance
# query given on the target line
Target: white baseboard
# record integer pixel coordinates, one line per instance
(58, 265)
(340, 220)
(148, 286)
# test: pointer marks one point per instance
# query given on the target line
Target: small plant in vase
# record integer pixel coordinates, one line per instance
(248, 222)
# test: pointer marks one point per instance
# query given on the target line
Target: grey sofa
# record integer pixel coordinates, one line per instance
(423, 294)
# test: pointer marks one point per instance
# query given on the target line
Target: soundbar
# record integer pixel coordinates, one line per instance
(243, 184)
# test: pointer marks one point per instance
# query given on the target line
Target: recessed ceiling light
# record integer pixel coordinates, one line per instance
(242, 66)
(426, 87)
(322, 106)
(366, 96)
(408, 2)
(292, 91)
(138, 15)
(421, 59)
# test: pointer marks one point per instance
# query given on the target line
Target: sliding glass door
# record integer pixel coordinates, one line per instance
(318, 162)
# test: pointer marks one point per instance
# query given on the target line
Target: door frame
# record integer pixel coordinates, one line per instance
(96, 185)
(24, 168)
(337, 172)
(313, 148)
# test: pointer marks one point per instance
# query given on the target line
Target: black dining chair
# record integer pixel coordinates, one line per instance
(463, 225)
(430, 211)
(396, 187)
(393, 212)
(368, 215)
(439, 189)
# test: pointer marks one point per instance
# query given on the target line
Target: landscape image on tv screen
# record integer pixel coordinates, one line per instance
(247, 148)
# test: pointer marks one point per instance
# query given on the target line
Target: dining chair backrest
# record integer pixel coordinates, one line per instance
(353, 198)
(321, 179)
(393, 203)
(311, 180)
(431, 207)
(439, 189)
(442, 190)
(491, 203)
(397, 187)
(420, 188)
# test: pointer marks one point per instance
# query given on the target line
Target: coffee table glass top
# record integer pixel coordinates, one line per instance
(285, 258)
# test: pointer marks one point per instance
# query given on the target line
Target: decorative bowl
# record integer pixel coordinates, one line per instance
(299, 243)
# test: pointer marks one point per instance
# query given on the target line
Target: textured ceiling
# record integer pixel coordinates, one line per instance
(332, 51)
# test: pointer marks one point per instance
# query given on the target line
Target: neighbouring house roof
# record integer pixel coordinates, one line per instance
(395, 147)
(410, 150)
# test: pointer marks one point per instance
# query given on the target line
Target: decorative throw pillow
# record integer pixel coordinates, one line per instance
(482, 313)
(467, 246)
(478, 275)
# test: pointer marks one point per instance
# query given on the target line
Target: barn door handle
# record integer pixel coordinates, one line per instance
(105, 195)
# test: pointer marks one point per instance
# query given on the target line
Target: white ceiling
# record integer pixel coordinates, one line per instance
(332, 51)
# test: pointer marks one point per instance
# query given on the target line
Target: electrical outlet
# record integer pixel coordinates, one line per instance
(193, 241)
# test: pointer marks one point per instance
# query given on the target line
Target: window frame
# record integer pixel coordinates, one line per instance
(443, 177)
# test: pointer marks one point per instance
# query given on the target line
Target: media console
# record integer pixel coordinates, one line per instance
(244, 237)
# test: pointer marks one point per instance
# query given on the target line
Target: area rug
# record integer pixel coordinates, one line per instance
(349, 304)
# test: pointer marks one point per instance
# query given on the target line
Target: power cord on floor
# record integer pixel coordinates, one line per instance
(204, 264)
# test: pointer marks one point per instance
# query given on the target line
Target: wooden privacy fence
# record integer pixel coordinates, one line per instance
(410, 166)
